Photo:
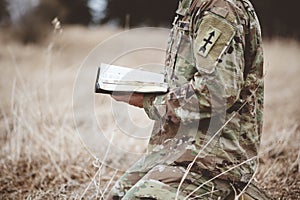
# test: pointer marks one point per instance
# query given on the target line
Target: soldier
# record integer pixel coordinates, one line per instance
(207, 131)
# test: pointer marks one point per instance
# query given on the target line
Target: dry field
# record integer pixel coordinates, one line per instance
(42, 155)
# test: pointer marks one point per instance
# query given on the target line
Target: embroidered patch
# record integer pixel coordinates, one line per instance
(208, 41)
(211, 43)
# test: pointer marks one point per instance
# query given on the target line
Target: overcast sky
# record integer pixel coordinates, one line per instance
(17, 8)
(97, 9)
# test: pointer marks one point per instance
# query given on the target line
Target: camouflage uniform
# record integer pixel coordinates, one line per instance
(212, 112)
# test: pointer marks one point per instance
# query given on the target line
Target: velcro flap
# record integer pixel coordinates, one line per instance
(213, 38)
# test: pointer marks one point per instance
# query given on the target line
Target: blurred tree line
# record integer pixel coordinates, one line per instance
(278, 18)
(141, 12)
(34, 24)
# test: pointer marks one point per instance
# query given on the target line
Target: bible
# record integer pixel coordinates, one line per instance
(111, 78)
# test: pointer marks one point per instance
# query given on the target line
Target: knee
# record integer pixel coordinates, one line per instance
(151, 189)
(116, 193)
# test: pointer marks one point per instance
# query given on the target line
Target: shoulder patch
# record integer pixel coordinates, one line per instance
(212, 39)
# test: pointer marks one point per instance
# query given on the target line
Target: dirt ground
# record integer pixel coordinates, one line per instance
(42, 155)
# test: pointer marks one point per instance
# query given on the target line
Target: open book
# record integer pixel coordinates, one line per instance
(112, 78)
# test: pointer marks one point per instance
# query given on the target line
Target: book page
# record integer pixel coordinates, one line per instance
(111, 73)
(117, 78)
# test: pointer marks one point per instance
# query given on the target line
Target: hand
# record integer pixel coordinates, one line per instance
(134, 99)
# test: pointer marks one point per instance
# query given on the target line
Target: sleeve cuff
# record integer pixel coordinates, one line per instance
(147, 104)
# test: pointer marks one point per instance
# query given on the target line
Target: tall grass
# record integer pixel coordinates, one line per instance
(41, 153)
(42, 157)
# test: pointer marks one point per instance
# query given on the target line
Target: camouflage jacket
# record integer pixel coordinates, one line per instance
(213, 110)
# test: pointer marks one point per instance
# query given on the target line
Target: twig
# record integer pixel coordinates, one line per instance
(5, 118)
(89, 185)
(243, 191)
(213, 137)
(232, 168)
(204, 147)
(295, 164)
(100, 167)
(109, 183)
(204, 194)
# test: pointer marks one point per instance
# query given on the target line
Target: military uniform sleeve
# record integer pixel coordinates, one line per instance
(218, 51)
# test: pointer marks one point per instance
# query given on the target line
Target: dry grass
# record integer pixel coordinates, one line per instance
(41, 153)
(280, 171)
(42, 156)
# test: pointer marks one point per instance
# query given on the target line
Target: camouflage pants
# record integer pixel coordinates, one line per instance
(161, 183)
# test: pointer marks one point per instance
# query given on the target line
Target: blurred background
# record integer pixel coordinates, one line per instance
(43, 45)
(28, 17)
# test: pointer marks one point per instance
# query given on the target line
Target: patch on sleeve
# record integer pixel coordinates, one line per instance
(210, 38)
(213, 38)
